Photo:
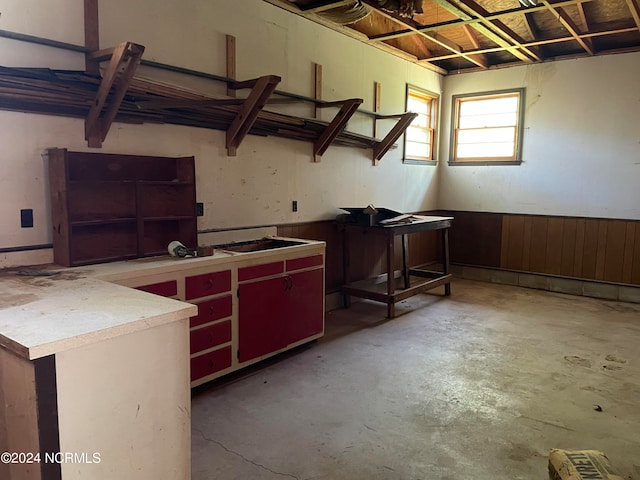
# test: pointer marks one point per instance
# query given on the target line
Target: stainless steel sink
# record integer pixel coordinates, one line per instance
(258, 245)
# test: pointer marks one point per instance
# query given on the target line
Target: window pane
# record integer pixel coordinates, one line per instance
(418, 135)
(421, 121)
(486, 150)
(487, 126)
(418, 150)
(489, 105)
(417, 105)
(486, 135)
(488, 120)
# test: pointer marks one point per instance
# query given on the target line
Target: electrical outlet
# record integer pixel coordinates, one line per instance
(26, 218)
(294, 206)
(200, 209)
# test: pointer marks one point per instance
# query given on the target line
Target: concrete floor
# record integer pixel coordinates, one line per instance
(476, 386)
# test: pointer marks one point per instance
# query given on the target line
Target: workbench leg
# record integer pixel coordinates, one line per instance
(345, 266)
(405, 267)
(391, 280)
(445, 259)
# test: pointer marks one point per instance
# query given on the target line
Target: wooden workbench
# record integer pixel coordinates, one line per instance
(412, 280)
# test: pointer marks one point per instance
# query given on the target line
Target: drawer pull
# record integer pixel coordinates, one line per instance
(210, 363)
(211, 310)
(209, 284)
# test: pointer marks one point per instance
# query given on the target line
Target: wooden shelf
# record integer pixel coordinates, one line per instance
(164, 182)
(106, 221)
(110, 207)
(167, 219)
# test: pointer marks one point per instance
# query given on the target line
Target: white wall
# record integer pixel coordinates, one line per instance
(257, 186)
(581, 150)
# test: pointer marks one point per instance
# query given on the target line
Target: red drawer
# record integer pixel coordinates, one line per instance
(258, 271)
(211, 310)
(165, 289)
(304, 262)
(207, 284)
(211, 362)
(210, 336)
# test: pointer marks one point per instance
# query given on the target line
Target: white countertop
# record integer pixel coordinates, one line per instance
(43, 315)
(40, 316)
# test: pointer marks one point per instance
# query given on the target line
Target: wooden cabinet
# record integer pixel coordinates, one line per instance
(281, 310)
(249, 307)
(211, 329)
(107, 207)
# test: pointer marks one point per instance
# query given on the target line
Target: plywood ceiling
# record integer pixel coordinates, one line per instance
(451, 36)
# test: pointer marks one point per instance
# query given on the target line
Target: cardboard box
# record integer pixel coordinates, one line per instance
(580, 465)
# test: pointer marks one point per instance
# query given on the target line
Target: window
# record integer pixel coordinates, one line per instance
(487, 127)
(420, 137)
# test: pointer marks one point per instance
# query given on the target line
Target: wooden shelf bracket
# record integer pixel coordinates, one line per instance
(261, 90)
(387, 142)
(123, 62)
(325, 139)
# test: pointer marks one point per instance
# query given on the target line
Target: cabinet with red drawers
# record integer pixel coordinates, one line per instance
(249, 307)
(211, 331)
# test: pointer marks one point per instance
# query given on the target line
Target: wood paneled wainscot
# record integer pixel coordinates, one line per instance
(605, 250)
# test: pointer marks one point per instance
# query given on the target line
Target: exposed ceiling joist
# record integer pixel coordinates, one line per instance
(571, 27)
(434, 37)
(634, 8)
(440, 36)
(491, 28)
(555, 40)
(459, 23)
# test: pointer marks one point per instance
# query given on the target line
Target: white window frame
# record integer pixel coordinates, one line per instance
(516, 158)
(432, 100)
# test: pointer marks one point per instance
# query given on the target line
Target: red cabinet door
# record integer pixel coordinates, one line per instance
(305, 305)
(261, 324)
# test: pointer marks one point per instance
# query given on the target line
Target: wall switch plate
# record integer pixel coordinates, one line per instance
(294, 206)
(200, 209)
(26, 218)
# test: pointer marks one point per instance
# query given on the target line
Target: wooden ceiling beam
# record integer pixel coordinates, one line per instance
(531, 28)
(550, 41)
(382, 147)
(458, 23)
(434, 37)
(329, 134)
(571, 27)
(473, 38)
(424, 50)
(583, 16)
(123, 62)
(495, 30)
(261, 89)
(634, 8)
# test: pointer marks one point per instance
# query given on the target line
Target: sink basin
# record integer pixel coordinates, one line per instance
(258, 245)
